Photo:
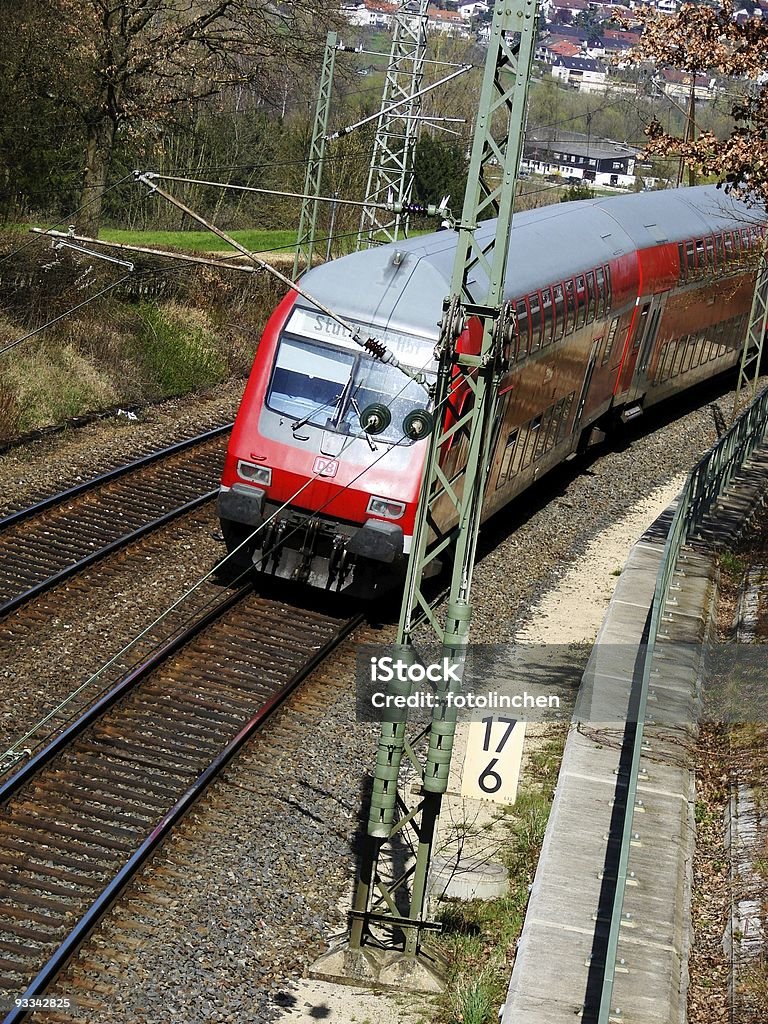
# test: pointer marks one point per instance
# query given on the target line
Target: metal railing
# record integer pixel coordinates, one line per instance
(705, 483)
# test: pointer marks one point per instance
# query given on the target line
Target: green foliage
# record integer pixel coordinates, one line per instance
(731, 564)
(473, 1001)
(578, 190)
(440, 169)
(178, 350)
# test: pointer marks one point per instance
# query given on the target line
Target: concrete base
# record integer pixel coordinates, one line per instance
(381, 969)
(471, 878)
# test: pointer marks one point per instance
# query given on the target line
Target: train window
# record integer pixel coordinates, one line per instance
(591, 295)
(570, 305)
(610, 340)
(601, 295)
(560, 324)
(530, 443)
(728, 246)
(534, 304)
(690, 256)
(745, 241)
(509, 450)
(308, 379)
(720, 248)
(666, 360)
(682, 260)
(700, 264)
(547, 318)
(523, 326)
(565, 414)
(581, 302)
(709, 246)
(608, 292)
(542, 444)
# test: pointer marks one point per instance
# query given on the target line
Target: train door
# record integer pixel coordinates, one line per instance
(649, 330)
(586, 383)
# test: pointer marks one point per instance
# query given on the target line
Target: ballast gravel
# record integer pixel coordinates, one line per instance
(256, 880)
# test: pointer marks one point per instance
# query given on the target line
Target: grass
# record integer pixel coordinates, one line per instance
(478, 936)
(201, 241)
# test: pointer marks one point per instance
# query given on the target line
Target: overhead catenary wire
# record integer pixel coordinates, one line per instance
(17, 751)
(374, 347)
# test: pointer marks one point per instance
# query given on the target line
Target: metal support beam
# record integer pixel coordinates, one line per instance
(305, 240)
(752, 352)
(391, 915)
(390, 176)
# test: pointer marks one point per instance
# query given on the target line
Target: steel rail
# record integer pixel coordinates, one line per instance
(94, 556)
(704, 485)
(113, 474)
(76, 936)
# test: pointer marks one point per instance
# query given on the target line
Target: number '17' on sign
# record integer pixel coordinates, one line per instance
(493, 758)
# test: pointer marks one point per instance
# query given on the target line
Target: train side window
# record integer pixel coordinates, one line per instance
(534, 305)
(523, 326)
(565, 416)
(608, 292)
(581, 302)
(591, 296)
(547, 318)
(601, 293)
(700, 265)
(570, 304)
(745, 242)
(720, 249)
(559, 310)
(690, 257)
(728, 246)
(682, 260)
(709, 247)
(531, 441)
(610, 340)
(509, 451)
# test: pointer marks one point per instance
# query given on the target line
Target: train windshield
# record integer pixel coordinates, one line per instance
(313, 382)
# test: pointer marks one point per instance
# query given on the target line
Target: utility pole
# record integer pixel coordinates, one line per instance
(386, 943)
(305, 241)
(690, 134)
(390, 175)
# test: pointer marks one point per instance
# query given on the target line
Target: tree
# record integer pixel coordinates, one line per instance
(698, 39)
(440, 169)
(122, 67)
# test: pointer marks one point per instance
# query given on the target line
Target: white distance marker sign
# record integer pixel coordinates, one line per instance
(492, 762)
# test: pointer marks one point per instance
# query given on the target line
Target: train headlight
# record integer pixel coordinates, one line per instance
(254, 474)
(386, 508)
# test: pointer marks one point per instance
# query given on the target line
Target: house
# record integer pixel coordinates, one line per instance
(678, 84)
(470, 10)
(575, 155)
(448, 22)
(582, 73)
(370, 13)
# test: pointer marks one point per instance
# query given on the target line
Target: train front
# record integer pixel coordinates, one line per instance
(308, 493)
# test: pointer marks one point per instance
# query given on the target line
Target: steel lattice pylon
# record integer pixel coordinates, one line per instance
(388, 921)
(390, 176)
(305, 240)
(752, 352)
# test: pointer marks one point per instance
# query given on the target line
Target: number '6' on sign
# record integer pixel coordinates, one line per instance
(493, 758)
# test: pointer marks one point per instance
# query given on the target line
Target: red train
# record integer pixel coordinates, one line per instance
(620, 302)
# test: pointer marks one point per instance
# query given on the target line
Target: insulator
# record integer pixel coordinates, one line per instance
(375, 347)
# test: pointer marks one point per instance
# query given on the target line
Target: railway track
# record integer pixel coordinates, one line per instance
(46, 543)
(81, 817)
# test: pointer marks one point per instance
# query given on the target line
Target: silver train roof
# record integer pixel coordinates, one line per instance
(406, 292)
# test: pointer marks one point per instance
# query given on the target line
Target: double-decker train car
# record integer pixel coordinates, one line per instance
(619, 303)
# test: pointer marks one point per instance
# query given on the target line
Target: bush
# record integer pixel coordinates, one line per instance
(177, 349)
